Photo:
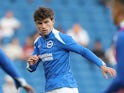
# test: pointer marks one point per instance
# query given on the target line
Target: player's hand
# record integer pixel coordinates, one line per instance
(108, 70)
(29, 89)
(33, 59)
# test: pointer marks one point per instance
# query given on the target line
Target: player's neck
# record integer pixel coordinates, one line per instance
(46, 36)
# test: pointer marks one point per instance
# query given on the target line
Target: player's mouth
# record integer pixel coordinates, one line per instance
(44, 31)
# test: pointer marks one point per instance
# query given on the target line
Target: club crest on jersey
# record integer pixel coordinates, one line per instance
(49, 44)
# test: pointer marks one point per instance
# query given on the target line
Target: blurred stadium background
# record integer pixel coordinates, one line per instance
(92, 15)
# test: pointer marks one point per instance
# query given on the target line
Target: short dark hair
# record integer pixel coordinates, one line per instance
(120, 5)
(119, 1)
(42, 13)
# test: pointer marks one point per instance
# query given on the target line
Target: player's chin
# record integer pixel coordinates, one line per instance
(45, 33)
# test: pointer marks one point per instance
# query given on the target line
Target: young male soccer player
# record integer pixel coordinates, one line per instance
(52, 49)
(118, 18)
(10, 69)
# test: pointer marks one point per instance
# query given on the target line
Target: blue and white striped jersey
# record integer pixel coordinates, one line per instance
(53, 52)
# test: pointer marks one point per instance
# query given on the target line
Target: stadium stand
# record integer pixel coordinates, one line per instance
(93, 17)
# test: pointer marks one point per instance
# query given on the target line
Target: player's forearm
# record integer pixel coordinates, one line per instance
(74, 47)
(92, 57)
(8, 66)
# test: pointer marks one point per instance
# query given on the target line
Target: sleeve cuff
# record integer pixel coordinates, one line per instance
(28, 67)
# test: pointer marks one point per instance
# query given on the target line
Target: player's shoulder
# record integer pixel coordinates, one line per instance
(62, 37)
(37, 39)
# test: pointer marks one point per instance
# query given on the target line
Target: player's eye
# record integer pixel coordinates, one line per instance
(39, 23)
(46, 22)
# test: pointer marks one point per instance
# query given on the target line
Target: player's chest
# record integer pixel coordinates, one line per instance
(47, 46)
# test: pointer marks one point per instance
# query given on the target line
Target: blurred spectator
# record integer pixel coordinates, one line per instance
(59, 28)
(8, 24)
(14, 50)
(28, 47)
(9, 86)
(79, 35)
(34, 35)
(110, 55)
(98, 50)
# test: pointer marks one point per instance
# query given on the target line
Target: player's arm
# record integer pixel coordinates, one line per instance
(71, 45)
(10, 69)
(33, 60)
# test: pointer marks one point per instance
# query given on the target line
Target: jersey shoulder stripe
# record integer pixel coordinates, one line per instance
(36, 39)
(57, 36)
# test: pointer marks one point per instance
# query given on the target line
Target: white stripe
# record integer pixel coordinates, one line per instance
(56, 33)
(22, 81)
(37, 39)
(103, 63)
(28, 67)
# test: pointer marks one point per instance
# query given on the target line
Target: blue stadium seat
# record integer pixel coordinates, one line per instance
(94, 18)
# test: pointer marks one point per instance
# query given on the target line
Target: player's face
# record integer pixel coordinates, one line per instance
(45, 26)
